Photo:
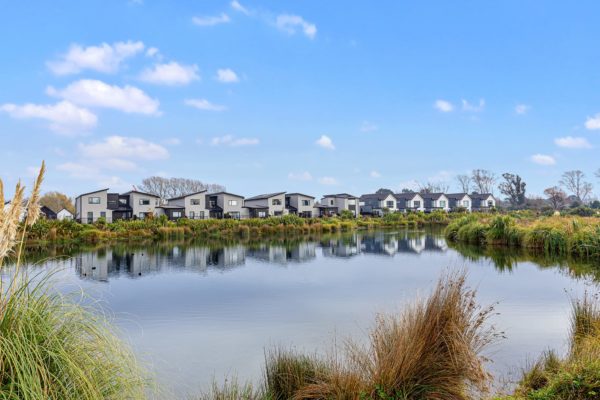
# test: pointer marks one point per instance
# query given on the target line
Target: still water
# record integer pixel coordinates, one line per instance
(200, 311)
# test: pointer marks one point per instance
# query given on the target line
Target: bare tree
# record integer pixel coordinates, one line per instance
(574, 182)
(173, 187)
(434, 187)
(464, 182)
(483, 181)
(556, 196)
(513, 188)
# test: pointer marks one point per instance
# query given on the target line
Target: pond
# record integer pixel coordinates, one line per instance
(202, 311)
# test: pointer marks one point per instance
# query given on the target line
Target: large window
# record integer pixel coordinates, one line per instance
(276, 202)
(195, 202)
(416, 204)
(233, 202)
(144, 202)
(443, 203)
(306, 202)
(465, 203)
(490, 203)
(262, 214)
(90, 217)
(389, 204)
(192, 215)
(93, 200)
(176, 214)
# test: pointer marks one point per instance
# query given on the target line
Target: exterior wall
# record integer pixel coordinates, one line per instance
(223, 201)
(64, 214)
(268, 203)
(83, 207)
(296, 201)
(461, 203)
(441, 203)
(342, 203)
(192, 211)
(137, 208)
(389, 202)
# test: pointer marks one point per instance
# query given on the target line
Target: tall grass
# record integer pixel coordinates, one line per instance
(52, 347)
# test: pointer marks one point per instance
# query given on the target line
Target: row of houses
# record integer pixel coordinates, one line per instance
(45, 211)
(204, 205)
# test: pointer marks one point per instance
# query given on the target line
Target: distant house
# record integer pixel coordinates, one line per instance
(192, 206)
(64, 214)
(334, 204)
(435, 201)
(482, 202)
(91, 206)
(376, 203)
(459, 200)
(225, 205)
(47, 212)
(299, 204)
(410, 201)
(266, 205)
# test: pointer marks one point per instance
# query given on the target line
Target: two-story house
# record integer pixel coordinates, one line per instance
(334, 204)
(266, 205)
(142, 204)
(409, 201)
(91, 206)
(225, 205)
(300, 204)
(378, 203)
(192, 206)
(482, 202)
(435, 201)
(459, 201)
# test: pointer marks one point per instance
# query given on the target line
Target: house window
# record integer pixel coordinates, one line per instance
(176, 214)
(232, 202)
(234, 215)
(195, 202)
(144, 202)
(416, 204)
(490, 203)
(442, 203)
(276, 202)
(192, 214)
(123, 202)
(306, 202)
(93, 200)
(466, 203)
(201, 215)
(90, 216)
(212, 203)
(330, 202)
(262, 214)
(389, 204)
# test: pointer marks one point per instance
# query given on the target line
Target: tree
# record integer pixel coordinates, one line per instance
(173, 187)
(384, 191)
(56, 201)
(513, 188)
(483, 181)
(434, 187)
(464, 182)
(574, 182)
(556, 196)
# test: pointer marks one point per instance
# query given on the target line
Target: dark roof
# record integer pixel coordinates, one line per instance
(137, 191)
(298, 194)
(377, 196)
(265, 196)
(95, 191)
(431, 196)
(186, 195)
(227, 193)
(341, 195)
(456, 196)
(406, 196)
(481, 196)
(47, 210)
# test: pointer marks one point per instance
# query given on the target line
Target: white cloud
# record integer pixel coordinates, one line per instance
(95, 93)
(203, 104)
(325, 142)
(466, 106)
(593, 123)
(170, 74)
(300, 176)
(291, 23)
(571, 142)
(522, 109)
(123, 147)
(227, 75)
(328, 180)
(103, 58)
(173, 141)
(443, 106)
(230, 140)
(240, 8)
(375, 174)
(211, 20)
(152, 51)
(64, 117)
(368, 127)
(543, 159)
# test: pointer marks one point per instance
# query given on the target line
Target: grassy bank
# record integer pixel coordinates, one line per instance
(577, 237)
(50, 231)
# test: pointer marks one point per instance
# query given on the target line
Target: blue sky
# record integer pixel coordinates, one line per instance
(307, 96)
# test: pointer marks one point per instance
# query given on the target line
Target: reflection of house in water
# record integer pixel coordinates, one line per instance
(435, 243)
(380, 243)
(281, 254)
(342, 247)
(93, 265)
(227, 257)
(304, 251)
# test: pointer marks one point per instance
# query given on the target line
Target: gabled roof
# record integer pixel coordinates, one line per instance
(431, 196)
(477, 196)
(227, 193)
(95, 191)
(406, 196)
(186, 195)
(457, 196)
(138, 192)
(299, 194)
(376, 196)
(64, 209)
(265, 196)
(341, 195)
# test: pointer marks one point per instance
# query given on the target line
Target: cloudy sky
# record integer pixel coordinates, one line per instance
(307, 96)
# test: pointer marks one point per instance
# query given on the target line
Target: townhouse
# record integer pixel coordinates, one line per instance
(91, 206)
(225, 205)
(191, 206)
(482, 202)
(266, 205)
(300, 204)
(459, 201)
(334, 204)
(435, 201)
(378, 203)
(409, 201)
